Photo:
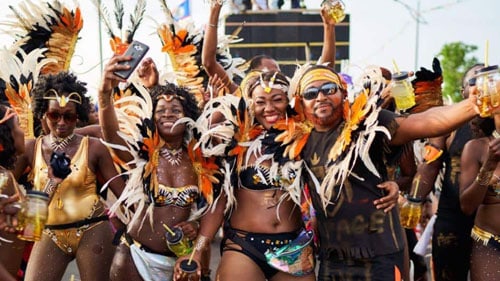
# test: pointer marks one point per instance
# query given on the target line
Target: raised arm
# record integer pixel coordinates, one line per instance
(107, 114)
(434, 122)
(148, 73)
(328, 53)
(209, 51)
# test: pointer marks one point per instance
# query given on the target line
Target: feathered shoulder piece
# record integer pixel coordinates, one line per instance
(209, 174)
(291, 133)
(19, 73)
(223, 125)
(183, 43)
(224, 131)
(50, 25)
(357, 133)
(120, 36)
(137, 129)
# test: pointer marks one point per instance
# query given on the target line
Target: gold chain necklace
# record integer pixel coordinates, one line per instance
(173, 156)
(58, 144)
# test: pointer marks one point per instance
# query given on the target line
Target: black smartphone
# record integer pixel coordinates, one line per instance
(137, 50)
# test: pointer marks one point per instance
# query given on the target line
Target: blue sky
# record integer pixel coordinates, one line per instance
(381, 30)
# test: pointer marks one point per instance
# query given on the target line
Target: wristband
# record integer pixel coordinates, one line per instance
(483, 177)
(201, 243)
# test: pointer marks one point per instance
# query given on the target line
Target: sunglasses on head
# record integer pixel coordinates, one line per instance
(56, 116)
(327, 89)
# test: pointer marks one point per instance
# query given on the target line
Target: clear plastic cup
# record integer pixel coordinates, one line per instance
(402, 91)
(336, 9)
(410, 212)
(178, 243)
(488, 87)
(32, 216)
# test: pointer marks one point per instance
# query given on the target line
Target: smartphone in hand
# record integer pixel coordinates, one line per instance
(137, 51)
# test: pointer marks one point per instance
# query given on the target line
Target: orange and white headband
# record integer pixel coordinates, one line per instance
(320, 74)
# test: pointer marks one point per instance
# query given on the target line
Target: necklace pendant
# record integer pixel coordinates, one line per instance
(174, 157)
(58, 144)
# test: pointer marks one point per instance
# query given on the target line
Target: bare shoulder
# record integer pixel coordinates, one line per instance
(95, 144)
(476, 147)
(91, 130)
(477, 143)
(29, 149)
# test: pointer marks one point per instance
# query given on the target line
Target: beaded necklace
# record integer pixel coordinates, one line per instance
(173, 156)
(58, 144)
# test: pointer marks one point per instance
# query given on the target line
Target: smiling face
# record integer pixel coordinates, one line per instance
(61, 121)
(269, 107)
(325, 109)
(166, 114)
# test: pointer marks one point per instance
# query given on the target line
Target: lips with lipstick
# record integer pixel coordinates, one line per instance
(271, 119)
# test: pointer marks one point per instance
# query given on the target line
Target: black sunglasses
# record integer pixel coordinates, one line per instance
(56, 116)
(327, 89)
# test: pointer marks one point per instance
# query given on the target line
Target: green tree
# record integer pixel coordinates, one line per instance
(455, 60)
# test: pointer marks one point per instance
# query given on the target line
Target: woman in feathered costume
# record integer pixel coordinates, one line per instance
(77, 226)
(149, 133)
(262, 193)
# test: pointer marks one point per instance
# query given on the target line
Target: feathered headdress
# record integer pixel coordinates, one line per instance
(20, 74)
(49, 25)
(427, 87)
(183, 42)
(120, 36)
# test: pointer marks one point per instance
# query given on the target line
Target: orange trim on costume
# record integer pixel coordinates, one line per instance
(397, 274)
(432, 153)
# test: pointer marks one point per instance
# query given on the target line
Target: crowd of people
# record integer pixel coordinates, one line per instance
(297, 172)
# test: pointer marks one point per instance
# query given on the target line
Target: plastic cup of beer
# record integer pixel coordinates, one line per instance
(189, 271)
(32, 216)
(410, 212)
(488, 87)
(178, 243)
(402, 91)
(336, 9)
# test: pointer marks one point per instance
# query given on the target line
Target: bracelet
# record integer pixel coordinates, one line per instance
(483, 177)
(201, 242)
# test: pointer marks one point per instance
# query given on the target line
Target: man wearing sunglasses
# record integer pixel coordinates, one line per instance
(360, 235)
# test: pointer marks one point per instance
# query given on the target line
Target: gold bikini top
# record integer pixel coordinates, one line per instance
(75, 197)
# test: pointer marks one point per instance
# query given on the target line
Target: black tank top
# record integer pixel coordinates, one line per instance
(449, 200)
